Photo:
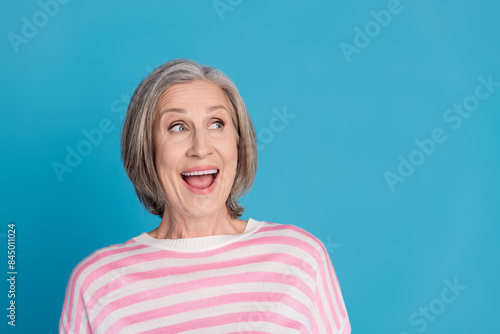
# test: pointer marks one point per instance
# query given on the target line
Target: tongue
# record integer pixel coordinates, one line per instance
(199, 181)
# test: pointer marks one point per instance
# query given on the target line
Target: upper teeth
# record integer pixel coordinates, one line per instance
(210, 171)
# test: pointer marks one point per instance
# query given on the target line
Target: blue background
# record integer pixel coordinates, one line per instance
(353, 117)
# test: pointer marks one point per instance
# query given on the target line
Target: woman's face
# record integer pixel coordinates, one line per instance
(195, 148)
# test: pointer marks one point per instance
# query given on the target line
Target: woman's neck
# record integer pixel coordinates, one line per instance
(176, 226)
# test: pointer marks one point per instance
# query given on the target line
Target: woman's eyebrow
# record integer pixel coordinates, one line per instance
(220, 106)
(183, 111)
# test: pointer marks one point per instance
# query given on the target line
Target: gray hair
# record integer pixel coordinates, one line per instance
(137, 148)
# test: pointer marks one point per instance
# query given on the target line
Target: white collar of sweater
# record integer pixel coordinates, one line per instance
(199, 244)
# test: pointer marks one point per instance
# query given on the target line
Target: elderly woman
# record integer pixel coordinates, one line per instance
(189, 148)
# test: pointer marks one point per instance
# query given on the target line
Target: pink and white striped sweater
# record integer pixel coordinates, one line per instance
(272, 278)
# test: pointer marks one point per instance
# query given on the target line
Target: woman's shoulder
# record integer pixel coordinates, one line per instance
(100, 259)
(292, 231)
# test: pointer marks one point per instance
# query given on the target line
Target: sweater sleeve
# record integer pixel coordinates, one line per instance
(74, 317)
(329, 313)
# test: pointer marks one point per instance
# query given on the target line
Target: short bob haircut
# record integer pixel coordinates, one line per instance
(137, 147)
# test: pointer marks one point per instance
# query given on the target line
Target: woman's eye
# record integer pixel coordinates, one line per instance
(178, 127)
(217, 125)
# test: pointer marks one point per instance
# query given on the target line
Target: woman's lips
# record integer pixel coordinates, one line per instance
(200, 180)
(199, 169)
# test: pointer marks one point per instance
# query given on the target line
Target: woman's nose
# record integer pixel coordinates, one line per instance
(200, 145)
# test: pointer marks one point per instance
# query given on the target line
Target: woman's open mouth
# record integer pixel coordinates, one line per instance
(200, 180)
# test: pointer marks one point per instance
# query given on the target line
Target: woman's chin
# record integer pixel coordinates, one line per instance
(202, 207)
